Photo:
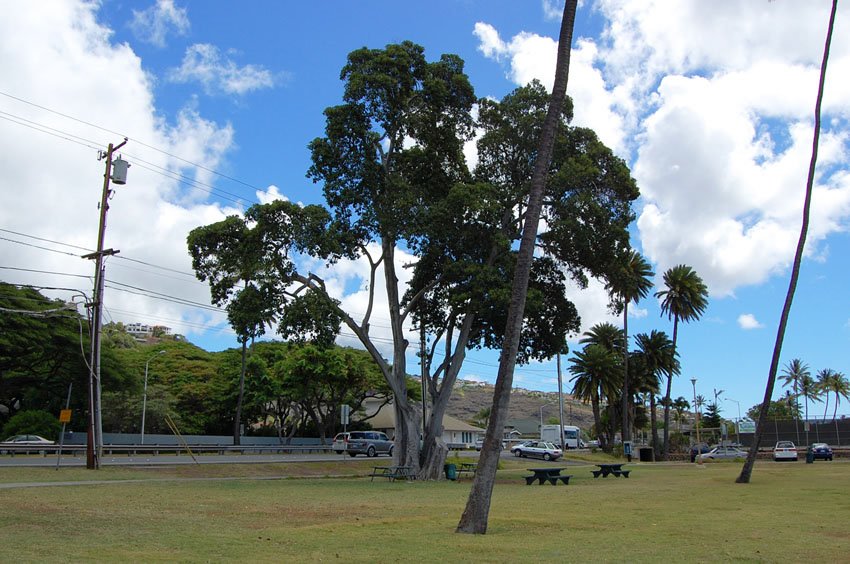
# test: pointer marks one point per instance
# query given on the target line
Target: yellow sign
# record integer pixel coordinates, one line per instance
(65, 416)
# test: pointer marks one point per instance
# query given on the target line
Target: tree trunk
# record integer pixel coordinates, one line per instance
(653, 422)
(747, 469)
(669, 389)
(238, 419)
(624, 403)
(476, 513)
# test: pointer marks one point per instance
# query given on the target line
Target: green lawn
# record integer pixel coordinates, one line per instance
(791, 512)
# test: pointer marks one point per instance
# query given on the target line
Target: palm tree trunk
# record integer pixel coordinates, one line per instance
(667, 395)
(747, 470)
(653, 426)
(477, 511)
(624, 404)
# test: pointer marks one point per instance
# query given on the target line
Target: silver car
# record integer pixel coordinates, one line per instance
(537, 449)
(723, 453)
(370, 443)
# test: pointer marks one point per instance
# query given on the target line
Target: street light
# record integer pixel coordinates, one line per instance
(145, 393)
(696, 412)
(738, 423)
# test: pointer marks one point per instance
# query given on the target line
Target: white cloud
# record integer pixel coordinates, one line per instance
(205, 64)
(270, 195)
(748, 321)
(719, 138)
(149, 217)
(155, 23)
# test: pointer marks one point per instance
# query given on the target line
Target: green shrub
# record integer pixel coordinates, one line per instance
(33, 422)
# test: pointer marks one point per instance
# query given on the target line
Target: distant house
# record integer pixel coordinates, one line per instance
(142, 332)
(456, 433)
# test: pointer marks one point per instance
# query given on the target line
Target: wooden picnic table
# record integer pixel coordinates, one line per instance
(467, 468)
(549, 474)
(393, 473)
(606, 469)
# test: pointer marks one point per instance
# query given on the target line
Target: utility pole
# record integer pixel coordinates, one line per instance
(561, 406)
(94, 448)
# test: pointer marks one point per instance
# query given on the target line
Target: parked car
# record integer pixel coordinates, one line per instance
(28, 440)
(821, 451)
(723, 453)
(697, 450)
(479, 444)
(370, 443)
(784, 450)
(593, 443)
(537, 449)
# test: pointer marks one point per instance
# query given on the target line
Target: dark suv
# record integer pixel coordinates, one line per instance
(370, 443)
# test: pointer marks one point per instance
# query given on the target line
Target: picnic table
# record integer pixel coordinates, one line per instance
(467, 468)
(606, 469)
(393, 473)
(551, 475)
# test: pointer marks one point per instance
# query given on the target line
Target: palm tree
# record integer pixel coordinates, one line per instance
(685, 299)
(824, 384)
(596, 373)
(477, 510)
(747, 469)
(832, 382)
(658, 355)
(791, 376)
(809, 390)
(630, 282)
(606, 335)
(680, 406)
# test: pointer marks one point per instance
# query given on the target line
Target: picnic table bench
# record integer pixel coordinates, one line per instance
(551, 475)
(393, 473)
(467, 468)
(606, 469)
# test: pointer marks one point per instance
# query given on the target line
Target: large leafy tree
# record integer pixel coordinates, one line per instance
(684, 298)
(629, 281)
(42, 344)
(229, 255)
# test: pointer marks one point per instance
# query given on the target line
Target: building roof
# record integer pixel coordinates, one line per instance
(385, 419)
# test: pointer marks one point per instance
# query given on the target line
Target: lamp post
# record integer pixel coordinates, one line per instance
(737, 423)
(696, 413)
(145, 393)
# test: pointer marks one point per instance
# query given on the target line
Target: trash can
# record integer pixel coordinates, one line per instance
(645, 454)
(810, 455)
(451, 471)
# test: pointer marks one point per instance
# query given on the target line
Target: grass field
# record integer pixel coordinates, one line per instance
(330, 512)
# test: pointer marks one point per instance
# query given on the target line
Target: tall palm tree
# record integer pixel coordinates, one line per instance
(832, 382)
(596, 373)
(825, 379)
(630, 282)
(477, 510)
(791, 375)
(747, 469)
(809, 390)
(658, 356)
(684, 299)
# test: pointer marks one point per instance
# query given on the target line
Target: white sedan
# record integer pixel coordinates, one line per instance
(723, 453)
(784, 450)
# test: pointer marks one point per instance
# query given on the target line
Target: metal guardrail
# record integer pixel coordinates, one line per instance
(154, 450)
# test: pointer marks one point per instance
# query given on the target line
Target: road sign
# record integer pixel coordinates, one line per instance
(346, 414)
(65, 416)
(746, 426)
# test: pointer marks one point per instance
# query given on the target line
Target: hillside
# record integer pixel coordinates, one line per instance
(469, 398)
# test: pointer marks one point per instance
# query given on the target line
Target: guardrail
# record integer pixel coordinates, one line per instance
(154, 450)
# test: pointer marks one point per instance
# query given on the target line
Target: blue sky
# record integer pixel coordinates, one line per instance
(709, 103)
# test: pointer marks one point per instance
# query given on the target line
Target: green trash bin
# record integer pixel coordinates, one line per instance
(810, 455)
(451, 471)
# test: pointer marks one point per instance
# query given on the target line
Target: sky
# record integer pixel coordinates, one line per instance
(710, 103)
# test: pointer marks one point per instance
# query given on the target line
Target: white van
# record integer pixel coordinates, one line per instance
(572, 435)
